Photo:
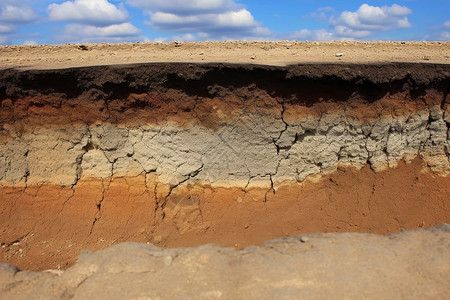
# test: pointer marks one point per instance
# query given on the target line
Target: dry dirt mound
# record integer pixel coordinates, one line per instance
(407, 265)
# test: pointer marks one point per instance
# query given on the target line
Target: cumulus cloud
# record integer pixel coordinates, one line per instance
(93, 21)
(349, 33)
(88, 33)
(91, 12)
(14, 15)
(116, 30)
(312, 35)
(368, 20)
(202, 19)
(17, 14)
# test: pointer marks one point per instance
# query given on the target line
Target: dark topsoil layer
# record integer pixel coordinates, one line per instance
(309, 82)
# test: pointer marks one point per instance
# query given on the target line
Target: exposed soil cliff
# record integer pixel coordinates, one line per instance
(186, 154)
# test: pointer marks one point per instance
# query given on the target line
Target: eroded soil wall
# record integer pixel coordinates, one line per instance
(186, 154)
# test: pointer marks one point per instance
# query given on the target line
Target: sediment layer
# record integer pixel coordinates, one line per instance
(183, 154)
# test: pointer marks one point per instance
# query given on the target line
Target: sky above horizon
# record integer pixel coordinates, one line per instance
(96, 21)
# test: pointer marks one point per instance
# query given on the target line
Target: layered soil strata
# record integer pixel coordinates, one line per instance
(186, 154)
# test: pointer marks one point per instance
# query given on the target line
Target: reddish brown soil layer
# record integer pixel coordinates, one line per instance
(47, 226)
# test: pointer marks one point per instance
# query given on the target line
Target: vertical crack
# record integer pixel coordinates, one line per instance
(99, 207)
(271, 189)
(286, 125)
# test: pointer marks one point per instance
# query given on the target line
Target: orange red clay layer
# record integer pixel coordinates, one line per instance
(47, 226)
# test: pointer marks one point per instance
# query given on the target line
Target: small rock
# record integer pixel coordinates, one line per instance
(177, 44)
(339, 54)
(168, 260)
(426, 58)
(304, 239)
(83, 47)
(253, 57)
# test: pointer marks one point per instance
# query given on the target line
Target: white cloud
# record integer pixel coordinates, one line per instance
(116, 30)
(117, 33)
(188, 37)
(91, 12)
(94, 21)
(202, 19)
(344, 31)
(12, 16)
(6, 28)
(30, 43)
(241, 20)
(368, 20)
(17, 14)
(312, 35)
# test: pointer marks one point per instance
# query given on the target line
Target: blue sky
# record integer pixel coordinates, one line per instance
(83, 21)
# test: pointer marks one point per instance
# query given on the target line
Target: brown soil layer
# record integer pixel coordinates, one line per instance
(208, 95)
(47, 226)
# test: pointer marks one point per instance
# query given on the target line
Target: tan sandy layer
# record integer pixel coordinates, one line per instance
(270, 53)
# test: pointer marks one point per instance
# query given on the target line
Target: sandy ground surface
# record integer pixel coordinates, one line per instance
(270, 53)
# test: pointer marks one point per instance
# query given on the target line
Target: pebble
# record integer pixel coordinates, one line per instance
(168, 260)
(304, 239)
(83, 47)
(339, 54)
(253, 57)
